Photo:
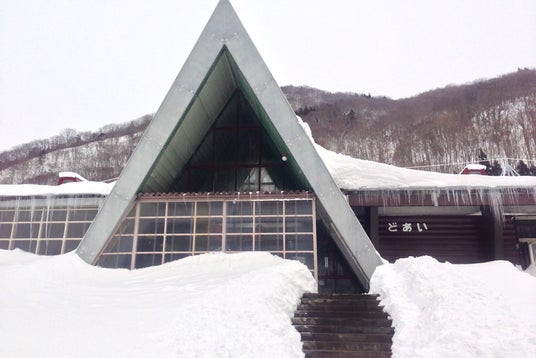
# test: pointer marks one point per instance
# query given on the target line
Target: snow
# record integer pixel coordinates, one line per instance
(75, 188)
(356, 174)
(214, 305)
(473, 166)
(239, 305)
(350, 174)
(446, 310)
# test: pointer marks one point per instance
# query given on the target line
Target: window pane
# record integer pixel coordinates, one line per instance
(209, 226)
(268, 224)
(70, 245)
(24, 231)
(208, 243)
(240, 225)
(269, 243)
(26, 245)
(82, 215)
(235, 208)
(180, 226)
(210, 208)
(269, 208)
(151, 226)
(152, 209)
(55, 230)
(147, 260)
(115, 261)
(150, 243)
(56, 215)
(77, 230)
(299, 242)
(181, 209)
(307, 259)
(179, 243)
(50, 247)
(24, 215)
(173, 257)
(7, 215)
(239, 243)
(299, 207)
(4, 244)
(5, 230)
(126, 228)
(120, 244)
(299, 224)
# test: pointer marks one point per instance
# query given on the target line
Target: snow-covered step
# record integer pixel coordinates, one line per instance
(349, 325)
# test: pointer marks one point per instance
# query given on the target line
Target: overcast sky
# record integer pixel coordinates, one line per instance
(84, 64)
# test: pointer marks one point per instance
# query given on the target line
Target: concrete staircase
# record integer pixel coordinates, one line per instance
(343, 325)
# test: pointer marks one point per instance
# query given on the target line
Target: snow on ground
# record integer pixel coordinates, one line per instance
(213, 305)
(446, 310)
(239, 305)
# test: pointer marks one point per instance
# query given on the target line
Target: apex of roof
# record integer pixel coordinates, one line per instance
(225, 59)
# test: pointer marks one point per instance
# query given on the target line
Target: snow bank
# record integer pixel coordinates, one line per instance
(445, 310)
(214, 305)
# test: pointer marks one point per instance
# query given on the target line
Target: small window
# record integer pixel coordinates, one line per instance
(77, 230)
(82, 215)
(7, 215)
(5, 230)
(180, 226)
(4, 244)
(150, 243)
(181, 209)
(56, 215)
(54, 230)
(239, 243)
(26, 231)
(114, 261)
(269, 243)
(147, 260)
(299, 207)
(26, 245)
(179, 243)
(50, 247)
(207, 243)
(70, 245)
(151, 226)
(152, 209)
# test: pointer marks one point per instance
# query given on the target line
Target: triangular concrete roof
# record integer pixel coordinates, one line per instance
(225, 59)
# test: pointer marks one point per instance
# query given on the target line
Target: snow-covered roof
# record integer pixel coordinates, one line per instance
(353, 174)
(75, 188)
(350, 174)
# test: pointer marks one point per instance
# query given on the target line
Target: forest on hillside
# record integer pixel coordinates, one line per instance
(490, 121)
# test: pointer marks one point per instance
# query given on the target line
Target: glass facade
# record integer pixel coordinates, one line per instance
(158, 231)
(236, 155)
(46, 226)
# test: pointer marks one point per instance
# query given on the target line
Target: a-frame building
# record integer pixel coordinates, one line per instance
(225, 165)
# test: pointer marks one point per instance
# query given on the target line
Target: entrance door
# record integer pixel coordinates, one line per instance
(334, 274)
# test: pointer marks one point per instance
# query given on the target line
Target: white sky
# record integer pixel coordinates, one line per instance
(84, 64)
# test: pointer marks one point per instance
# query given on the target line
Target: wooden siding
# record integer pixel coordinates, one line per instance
(510, 243)
(457, 239)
